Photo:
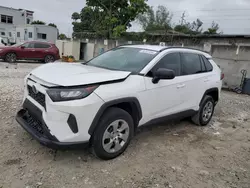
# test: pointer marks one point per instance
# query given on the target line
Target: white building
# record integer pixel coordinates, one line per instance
(15, 27)
(36, 32)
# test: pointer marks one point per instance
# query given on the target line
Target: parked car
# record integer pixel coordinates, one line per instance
(34, 50)
(101, 103)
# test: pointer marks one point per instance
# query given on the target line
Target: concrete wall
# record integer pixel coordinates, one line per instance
(67, 48)
(51, 32)
(232, 59)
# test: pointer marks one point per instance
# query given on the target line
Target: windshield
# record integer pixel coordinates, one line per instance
(124, 59)
(16, 45)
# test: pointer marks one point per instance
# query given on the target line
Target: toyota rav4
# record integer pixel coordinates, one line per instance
(101, 103)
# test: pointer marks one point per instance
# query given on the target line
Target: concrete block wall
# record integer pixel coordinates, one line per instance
(232, 59)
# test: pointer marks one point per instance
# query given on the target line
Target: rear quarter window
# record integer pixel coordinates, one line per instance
(208, 65)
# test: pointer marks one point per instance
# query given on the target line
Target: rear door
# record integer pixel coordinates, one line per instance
(195, 77)
(42, 49)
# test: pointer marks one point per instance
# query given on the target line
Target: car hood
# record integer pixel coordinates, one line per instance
(74, 74)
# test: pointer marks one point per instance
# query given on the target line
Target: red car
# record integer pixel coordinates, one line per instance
(33, 50)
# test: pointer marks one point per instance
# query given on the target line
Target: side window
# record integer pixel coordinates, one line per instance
(191, 64)
(208, 65)
(41, 45)
(28, 45)
(170, 61)
(203, 67)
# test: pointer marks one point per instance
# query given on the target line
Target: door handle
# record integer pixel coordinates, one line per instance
(206, 80)
(33, 50)
(181, 86)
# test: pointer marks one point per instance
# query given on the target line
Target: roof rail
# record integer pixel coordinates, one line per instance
(188, 48)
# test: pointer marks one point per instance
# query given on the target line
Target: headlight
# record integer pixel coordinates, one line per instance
(61, 94)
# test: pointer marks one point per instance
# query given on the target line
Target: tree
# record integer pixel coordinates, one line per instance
(52, 25)
(110, 18)
(213, 29)
(62, 36)
(75, 16)
(156, 21)
(38, 22)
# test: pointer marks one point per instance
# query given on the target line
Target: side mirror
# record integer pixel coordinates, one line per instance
(163, 74)
(22, 47)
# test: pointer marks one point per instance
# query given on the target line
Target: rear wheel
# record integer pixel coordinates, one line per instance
(10, 57)
(49, 59)
(205, 112)
(113, 134)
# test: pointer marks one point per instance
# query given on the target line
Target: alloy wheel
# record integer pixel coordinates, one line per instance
(115, 136)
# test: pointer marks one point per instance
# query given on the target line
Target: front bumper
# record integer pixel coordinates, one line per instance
(30, 118)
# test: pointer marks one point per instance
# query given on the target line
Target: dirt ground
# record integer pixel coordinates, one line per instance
(172, 155)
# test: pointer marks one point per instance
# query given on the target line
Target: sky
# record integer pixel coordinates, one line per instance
(233, 16)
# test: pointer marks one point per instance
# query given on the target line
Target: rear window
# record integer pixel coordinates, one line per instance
(41, 45)
(208, 65)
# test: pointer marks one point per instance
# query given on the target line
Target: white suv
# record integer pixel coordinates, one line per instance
(102, 102)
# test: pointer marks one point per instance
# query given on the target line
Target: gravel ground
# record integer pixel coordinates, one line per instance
(176, 154)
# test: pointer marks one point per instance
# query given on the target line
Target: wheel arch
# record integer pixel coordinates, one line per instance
(213, 92)
(129, 104)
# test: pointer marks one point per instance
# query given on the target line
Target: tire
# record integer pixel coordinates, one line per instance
(206, 111)
(49, 59)
(10, 57)
(106, 142)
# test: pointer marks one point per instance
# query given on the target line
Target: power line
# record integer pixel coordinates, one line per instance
(211, 10)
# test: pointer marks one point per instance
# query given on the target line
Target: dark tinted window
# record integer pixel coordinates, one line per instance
(208, 65)
(170, 61)
(191, 64)
(203, 68)
(41, 45)
(30, 34)
(18, 34)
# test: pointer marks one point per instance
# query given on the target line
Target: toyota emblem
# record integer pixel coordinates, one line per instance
(34, 89)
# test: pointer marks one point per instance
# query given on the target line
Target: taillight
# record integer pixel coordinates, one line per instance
(222, 76)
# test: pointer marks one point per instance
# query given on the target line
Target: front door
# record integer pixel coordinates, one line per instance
(165, 97)
(26, 51)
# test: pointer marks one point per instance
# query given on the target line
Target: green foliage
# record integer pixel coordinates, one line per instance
(193, 28)
(62, 36)
(108, 18)
(156, 21)
(75, 16)
(38, 22)
(52, 25)
(213, 29)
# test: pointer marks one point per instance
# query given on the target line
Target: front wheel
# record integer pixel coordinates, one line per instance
(113, 134)
(10, 57)
(49, 59)
(205, 112)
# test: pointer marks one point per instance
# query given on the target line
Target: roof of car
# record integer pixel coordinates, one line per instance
(159, 48)
(39, 41)
(147, 47)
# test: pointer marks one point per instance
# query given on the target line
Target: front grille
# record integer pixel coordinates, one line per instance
(35, 124)
(39, 97)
